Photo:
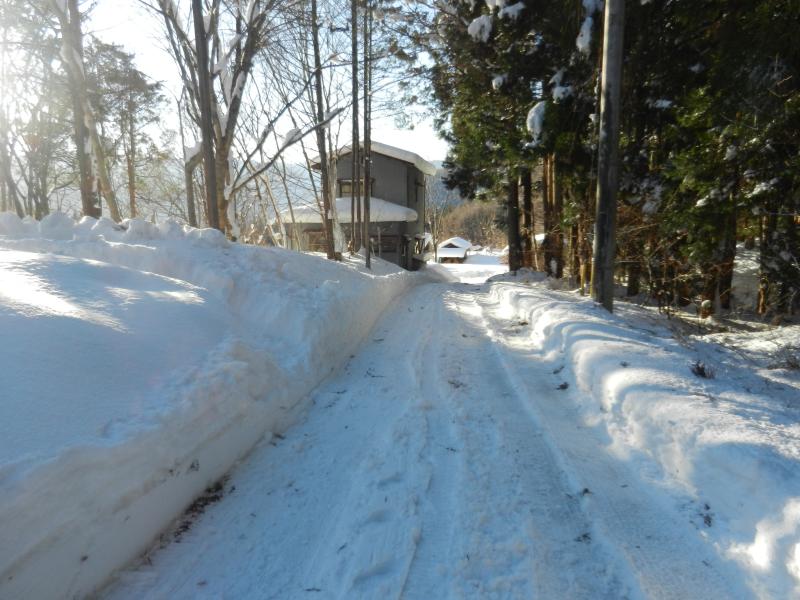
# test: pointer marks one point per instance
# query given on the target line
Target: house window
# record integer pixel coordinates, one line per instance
(346, 186)
(389, 243)
(315, 241)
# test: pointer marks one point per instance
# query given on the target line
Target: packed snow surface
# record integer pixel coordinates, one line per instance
(511, 441)
(140, 362)
(477, 268)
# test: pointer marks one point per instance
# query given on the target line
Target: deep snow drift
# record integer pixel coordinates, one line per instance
(140, 362)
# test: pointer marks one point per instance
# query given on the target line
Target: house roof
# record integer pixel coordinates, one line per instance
(392, 152)
(380, 211)
(457, 242)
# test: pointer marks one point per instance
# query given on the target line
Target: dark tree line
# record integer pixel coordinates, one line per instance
(710, 135)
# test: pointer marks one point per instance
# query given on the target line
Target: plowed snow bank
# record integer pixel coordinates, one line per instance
(140, 362)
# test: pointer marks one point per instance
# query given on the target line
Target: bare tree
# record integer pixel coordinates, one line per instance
(236, 34)
(86, 134)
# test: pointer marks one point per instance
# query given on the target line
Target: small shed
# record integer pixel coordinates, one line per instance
(397, 206)
(454, 249)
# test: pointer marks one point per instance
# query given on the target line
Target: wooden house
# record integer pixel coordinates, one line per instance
(397, 207)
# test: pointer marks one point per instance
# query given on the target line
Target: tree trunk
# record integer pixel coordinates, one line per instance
(527, 218)
(634, 272)
(367, 129)
(72, 40)
(728, 258)
(547, 224)
(222, 176)
(9, 186)
(574, 254)
(321, 147)
(557, 245)
(608, 155)
(206, 127)
(131, 159)
(188, 172)
(512, 222)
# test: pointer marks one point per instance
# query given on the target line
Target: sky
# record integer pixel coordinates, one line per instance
(128, 24)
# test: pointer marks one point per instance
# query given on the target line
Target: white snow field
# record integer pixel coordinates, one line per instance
(139, 364)
(510, 441)
(485, 440)
(478, 267)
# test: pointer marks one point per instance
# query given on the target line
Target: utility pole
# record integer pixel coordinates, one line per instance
(356, 171)
(367, 125)
(204, 83)
(608, 156)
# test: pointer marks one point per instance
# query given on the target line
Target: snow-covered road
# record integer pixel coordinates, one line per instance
(443, 461)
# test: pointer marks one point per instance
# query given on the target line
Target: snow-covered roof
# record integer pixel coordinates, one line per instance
(457, 242)
(380, 211)
(451, 252)
(393, 152)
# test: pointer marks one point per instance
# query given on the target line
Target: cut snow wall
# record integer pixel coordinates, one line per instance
(70, 521)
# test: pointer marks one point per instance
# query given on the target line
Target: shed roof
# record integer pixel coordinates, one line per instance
(392, 152)
(457, 242)
(380, 211)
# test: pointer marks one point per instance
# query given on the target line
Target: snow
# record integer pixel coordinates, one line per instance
(451, 252)
(723, 450)
(458, 242)
(762, 187)
(535, 121)
(477, 268)
(380, 211)
(661, 104)
(394, 152)
(292, 136)
(478, 439)
(512, 12)
(480, 28)
(560, 92)
(584, 40)
(146, 360)
(498, 81)
(517, 442)
(190, 153)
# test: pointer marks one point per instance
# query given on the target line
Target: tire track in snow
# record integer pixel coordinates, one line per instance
(522, 523)
(428, 575)
(419, 473)
(665, 555)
